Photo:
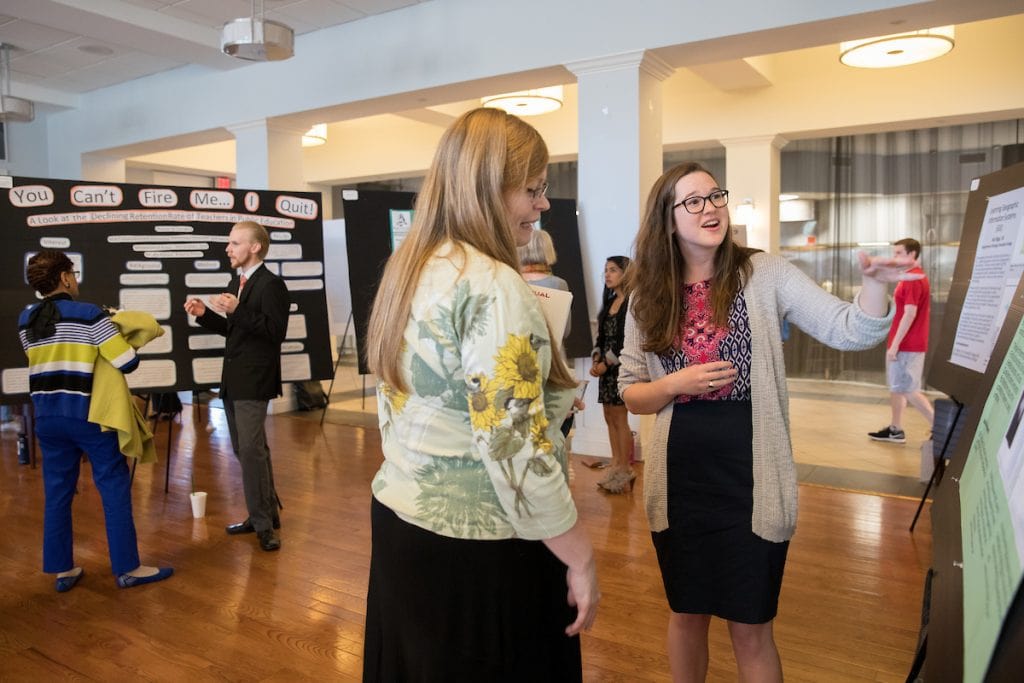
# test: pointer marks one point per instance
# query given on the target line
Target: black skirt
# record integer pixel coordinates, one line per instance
(711, 562)
(448, 609)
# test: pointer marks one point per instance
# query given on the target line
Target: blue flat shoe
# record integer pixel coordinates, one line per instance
(129, 581)
(66, 583)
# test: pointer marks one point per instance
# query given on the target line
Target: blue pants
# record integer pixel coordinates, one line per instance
(62, 441)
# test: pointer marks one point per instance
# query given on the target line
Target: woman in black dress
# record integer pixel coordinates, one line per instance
(703, 351)
(611, 323)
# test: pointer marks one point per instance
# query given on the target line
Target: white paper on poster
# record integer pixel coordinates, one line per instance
(156, 302)
(15, 381)
(198, 342)
(998, 265)
(153, 373)
(295, 367)
(207, 370)
(296, 327)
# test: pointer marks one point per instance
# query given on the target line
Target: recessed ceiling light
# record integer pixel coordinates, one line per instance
(98, 50)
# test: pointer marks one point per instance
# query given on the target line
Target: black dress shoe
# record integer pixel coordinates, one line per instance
(246, 527)
(269, 540)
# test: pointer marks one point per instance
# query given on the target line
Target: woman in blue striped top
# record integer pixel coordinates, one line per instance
(63, 339)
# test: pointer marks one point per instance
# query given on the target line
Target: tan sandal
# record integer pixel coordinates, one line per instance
(618, 481)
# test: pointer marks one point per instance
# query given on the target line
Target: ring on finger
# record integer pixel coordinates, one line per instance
(711, 384)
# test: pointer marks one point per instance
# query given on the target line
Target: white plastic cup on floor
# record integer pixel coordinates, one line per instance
(198, 503)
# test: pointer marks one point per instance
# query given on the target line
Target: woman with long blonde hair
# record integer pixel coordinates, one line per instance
(475, 535)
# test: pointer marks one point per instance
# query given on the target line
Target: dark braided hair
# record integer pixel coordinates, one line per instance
(45, 268)
(43, 273)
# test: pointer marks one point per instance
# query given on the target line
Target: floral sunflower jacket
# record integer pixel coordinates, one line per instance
(474, 450)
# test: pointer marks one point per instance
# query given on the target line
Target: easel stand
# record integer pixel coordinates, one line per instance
(337, 364)
(940, 459)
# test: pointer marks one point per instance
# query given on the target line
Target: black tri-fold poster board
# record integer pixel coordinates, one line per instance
(976, 629)
(148, 248)
(377, 220)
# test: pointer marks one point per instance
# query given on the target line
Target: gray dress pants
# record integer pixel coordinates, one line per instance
(246, 424)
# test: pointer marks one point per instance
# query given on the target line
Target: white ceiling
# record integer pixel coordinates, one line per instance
(68, 47)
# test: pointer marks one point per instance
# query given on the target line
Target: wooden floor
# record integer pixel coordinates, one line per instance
(849, 609)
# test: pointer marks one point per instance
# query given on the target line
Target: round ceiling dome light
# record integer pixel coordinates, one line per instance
(527, 102)
(899, 49)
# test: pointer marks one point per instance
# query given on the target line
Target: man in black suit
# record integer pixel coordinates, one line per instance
(254, 321)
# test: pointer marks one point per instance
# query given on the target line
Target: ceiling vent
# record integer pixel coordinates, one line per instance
(257, 39)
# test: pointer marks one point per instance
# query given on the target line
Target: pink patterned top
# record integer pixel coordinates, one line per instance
(701, 341)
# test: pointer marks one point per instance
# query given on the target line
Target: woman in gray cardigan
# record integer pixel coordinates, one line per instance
(703, 351)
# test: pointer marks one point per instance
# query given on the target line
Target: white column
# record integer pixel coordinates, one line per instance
(620, 157)
(753, 167)
(269, 157)
(97, 167)
(620, 153)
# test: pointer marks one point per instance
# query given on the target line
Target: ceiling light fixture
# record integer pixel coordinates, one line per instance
(527, 102)
(316, 135)
(257, 39)
(898, 49)
(11, 108)
(744, 214)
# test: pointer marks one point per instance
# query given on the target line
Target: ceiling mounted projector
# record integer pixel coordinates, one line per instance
(16, 109)
(257, 39)
(11, 108)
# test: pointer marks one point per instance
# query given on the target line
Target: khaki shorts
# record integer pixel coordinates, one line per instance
(904, 373)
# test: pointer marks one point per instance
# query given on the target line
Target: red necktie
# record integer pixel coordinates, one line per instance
(241, 284)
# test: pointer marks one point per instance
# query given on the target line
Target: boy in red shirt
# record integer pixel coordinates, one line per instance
(906, 347)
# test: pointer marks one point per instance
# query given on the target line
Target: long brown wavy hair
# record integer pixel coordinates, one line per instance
(654, 282)
(483, 155)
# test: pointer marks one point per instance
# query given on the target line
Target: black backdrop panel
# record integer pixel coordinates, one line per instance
(148, 247)
(945, 648)
(956, 380)
(562, 224)
(368, 235)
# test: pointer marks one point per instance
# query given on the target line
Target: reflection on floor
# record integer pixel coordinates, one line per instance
(830, 422)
